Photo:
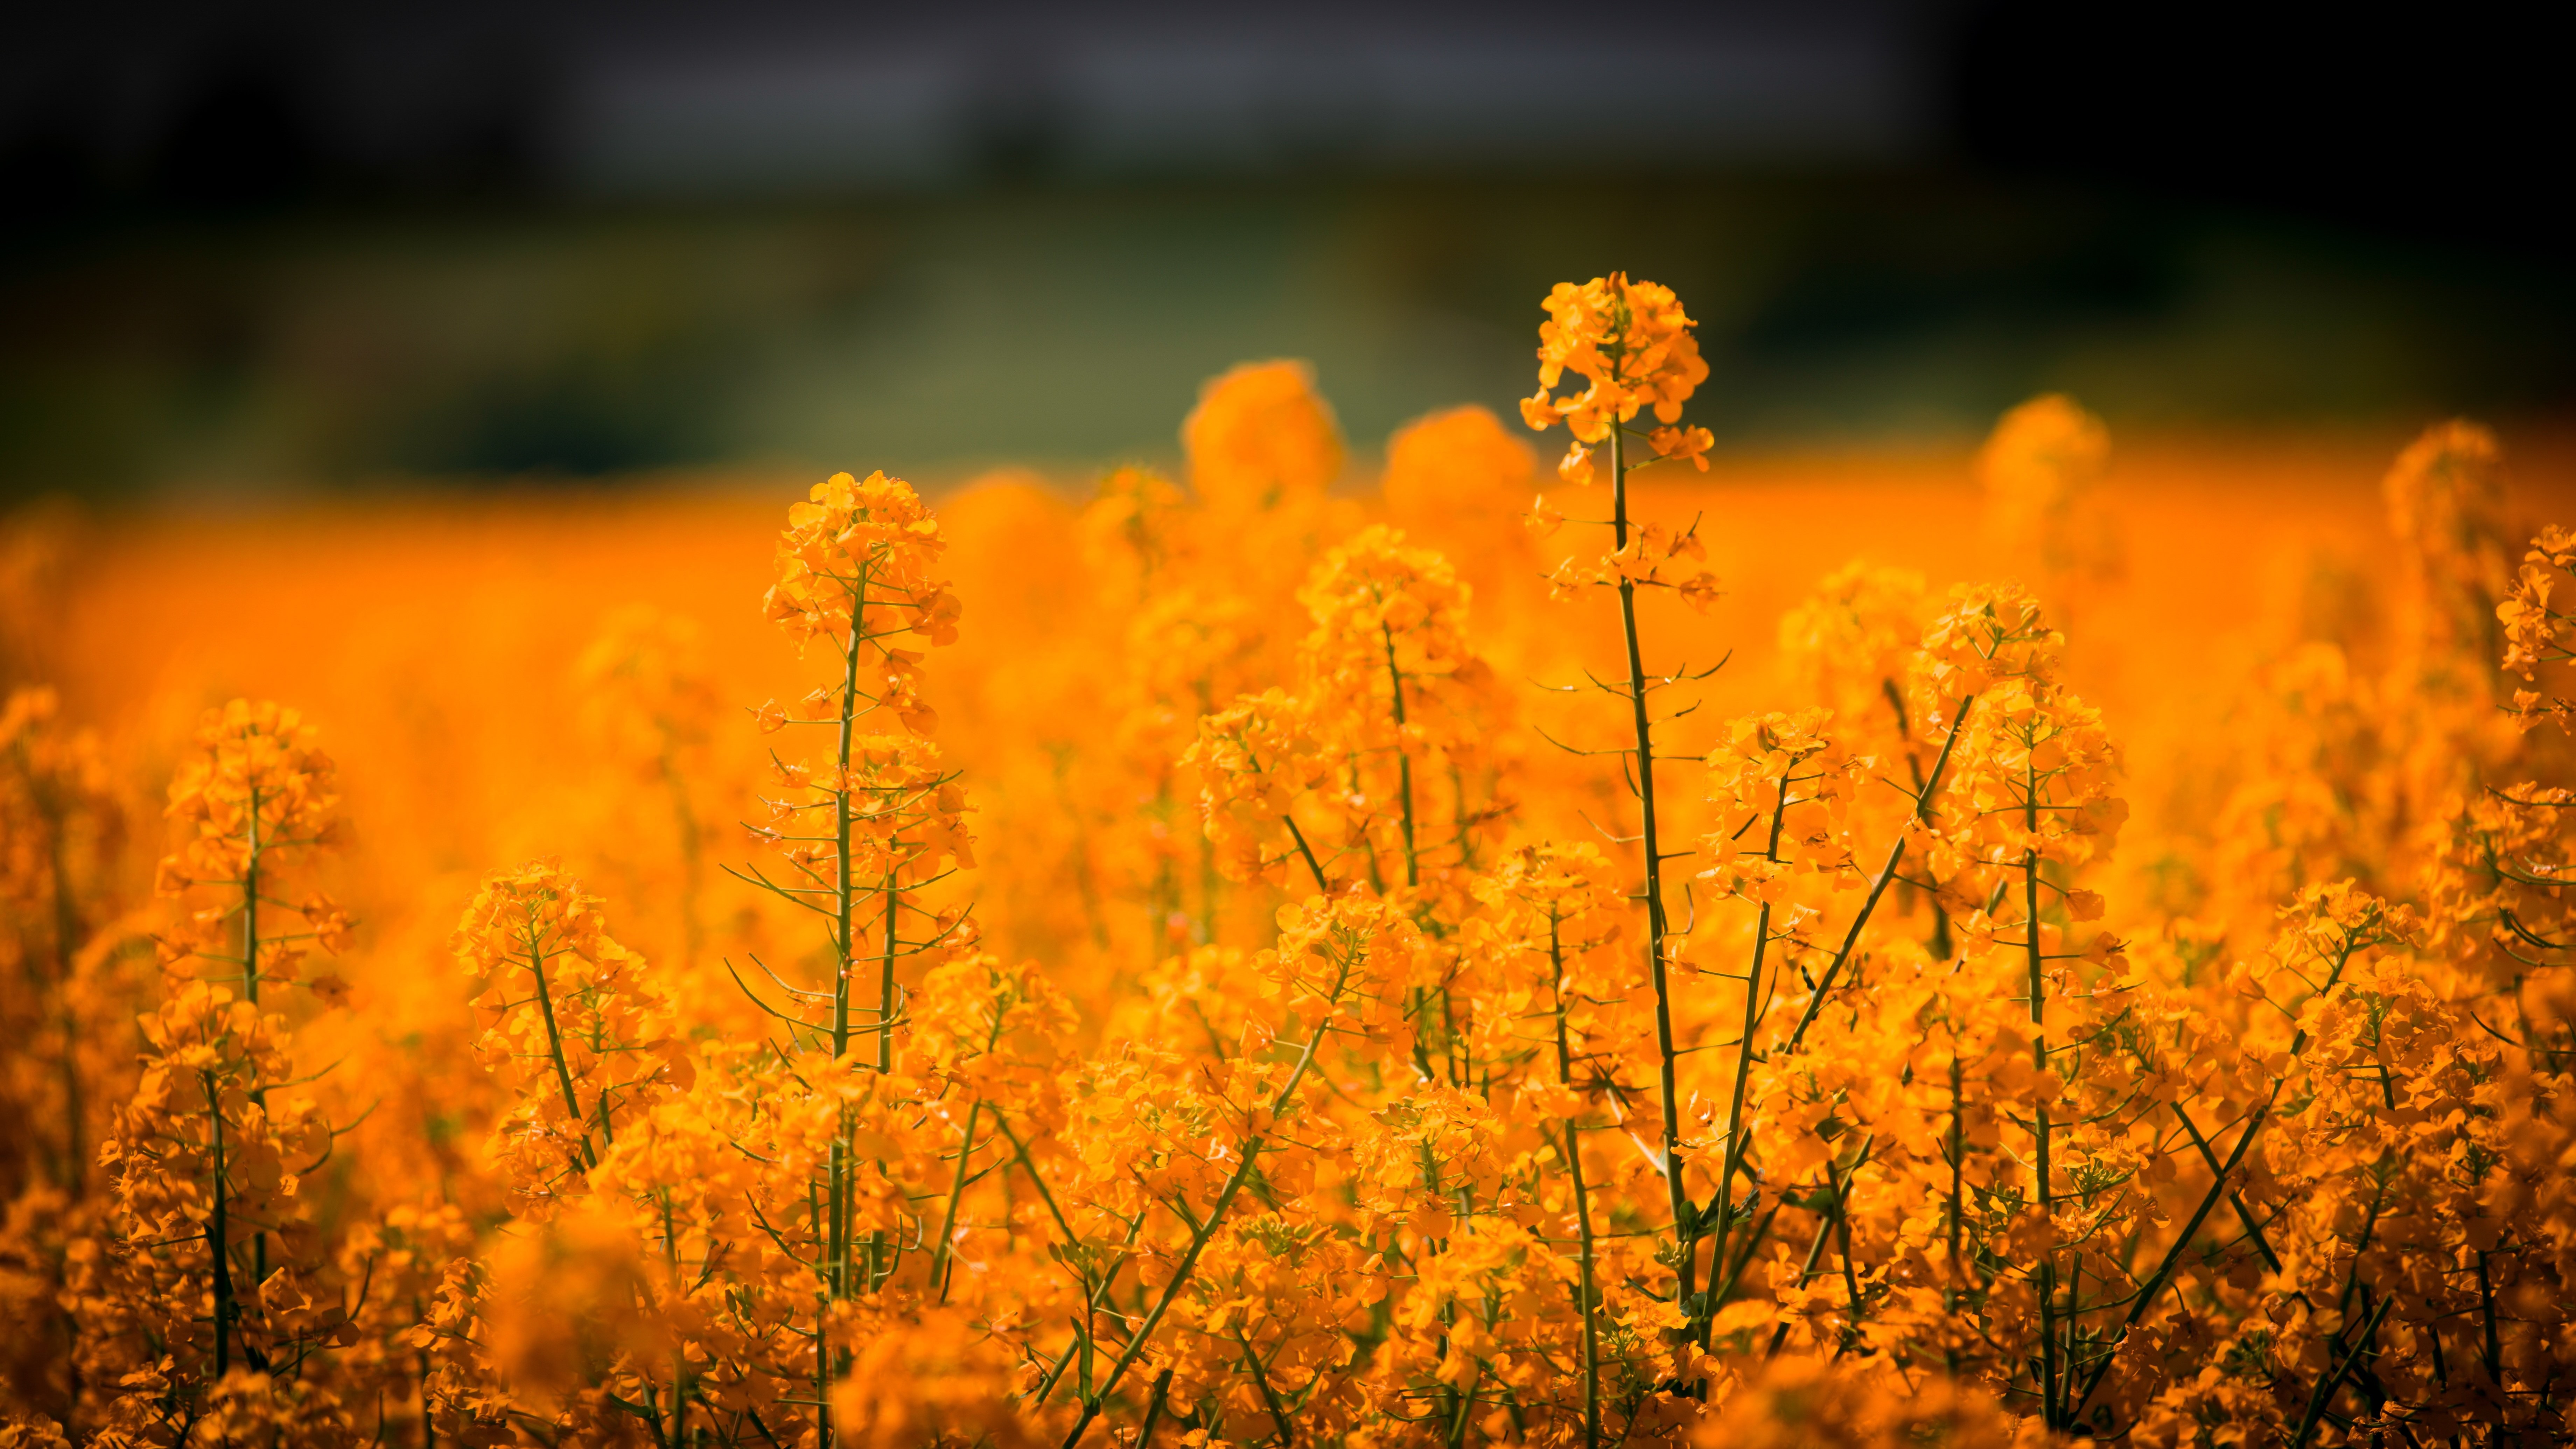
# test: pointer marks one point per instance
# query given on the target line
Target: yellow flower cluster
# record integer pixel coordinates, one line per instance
(256, 793)
(1632, 345)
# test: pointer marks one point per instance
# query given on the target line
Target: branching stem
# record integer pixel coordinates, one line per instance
(1207, 1226)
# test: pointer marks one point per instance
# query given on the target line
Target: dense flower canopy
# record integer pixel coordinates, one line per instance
(1308, 968)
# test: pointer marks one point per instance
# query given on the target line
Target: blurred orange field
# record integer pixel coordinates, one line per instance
(2093, 966)
(434, 639)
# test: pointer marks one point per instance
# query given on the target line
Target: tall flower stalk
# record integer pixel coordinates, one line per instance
(206, 1158)
(1633, 345)
(870, 826)
(257, 793)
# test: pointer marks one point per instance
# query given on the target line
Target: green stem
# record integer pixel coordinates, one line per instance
(1721, 1288)
(1590, 1291)
(2155, 1284)
(885, 979)
(1685, 1219)
(1029, 1165)
(219, 1194)
(836, 1246)
(1403, 758)
(1851, 1282)
(2325, 1392)
(1206, 1231)
(956, 1192)
(1837, 1197)
(250, 989)
(250, 901)
(844, 901)
(1733, 1157)
(1154, 1411)
(679, 1361)
(1958, 1169)
(822, 1330)
(1208, 889)
(1312, 865)
(2487, 1323)
(554, 1046)
(1269, 1395)
(2049, 1408)
(2244, 1215)
(2217, 1188)
(1886, 873)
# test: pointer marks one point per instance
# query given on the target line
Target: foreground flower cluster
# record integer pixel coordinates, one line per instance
(1415, 1057)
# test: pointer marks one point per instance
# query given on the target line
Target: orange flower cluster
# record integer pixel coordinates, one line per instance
(1337, 987)
(1633, 346)
(256, 794)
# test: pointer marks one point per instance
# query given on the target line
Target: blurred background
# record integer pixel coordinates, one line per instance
(276, 250)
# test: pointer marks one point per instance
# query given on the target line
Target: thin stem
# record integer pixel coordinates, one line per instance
(1208, 888)
(1685, 1218)
(2039, 1059)
(226, 1307)
(836, 1247)
(1206, 1231)
(257, 850)
(679, 1360)
(2173, 1256)
(2487, 1322)
(555, 1047)
(1029, 1165)
(1722, 1289)
(1307, 851)
(885, 981)
(2244, 1215)
(1154, 1411)
(2218, 1187)
(1838, 1188)
(2326, 1389)
(1851, 1279)
(956, 1192)
(1958, 1168)
(1589, 1289)
(250, 900)
(1733, 1157)
(1878, 887)
(1403, 759)
(1269, 1396)
(843, 900)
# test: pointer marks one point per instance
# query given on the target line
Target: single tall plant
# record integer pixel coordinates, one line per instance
(1633, 346)
(869, 825)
